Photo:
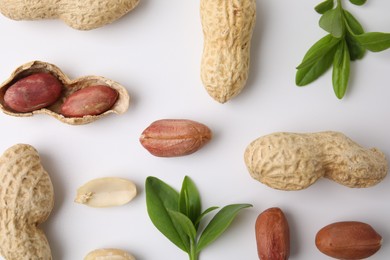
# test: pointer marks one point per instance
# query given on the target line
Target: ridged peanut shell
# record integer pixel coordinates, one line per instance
(69, 87)
(294, 161)
(348, 240)
(26, 200)
(227, 28)
(81, 15)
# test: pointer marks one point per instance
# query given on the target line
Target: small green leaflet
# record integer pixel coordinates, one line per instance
(178, 215)
(316, 61)
(340, 74)
(356, 50)
(324, 6)
(332, 22)
(358, 2)
(318, 50)
(219, 224)
(347, 41)
(374, 41)
(189, 200)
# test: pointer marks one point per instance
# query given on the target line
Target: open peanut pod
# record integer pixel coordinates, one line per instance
(81, 15)
(42, 88)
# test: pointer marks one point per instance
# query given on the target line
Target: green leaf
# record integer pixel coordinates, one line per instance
(374, 41)
(324, 6)
(219, 224)
(356, 51)
(307, 75)
(358, 2)
(160, 198)
(189, 200)
(341, 68)
(183, 223)
(207, 211)
(353, 25)
(318, 50)
(332, 22)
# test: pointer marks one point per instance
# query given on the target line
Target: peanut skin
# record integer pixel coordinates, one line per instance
(293, 161)
(227, 27)
(272, 235)
(89, 101)
(33, 92)
(26, 200)
(348, 240)
(175, 137)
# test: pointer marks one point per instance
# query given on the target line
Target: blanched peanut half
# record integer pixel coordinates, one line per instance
(106, 192)
(109, 254)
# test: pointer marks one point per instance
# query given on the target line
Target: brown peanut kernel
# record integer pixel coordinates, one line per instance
(175, 137)
(348, 240)
(89, 101)
(33, 92)
(272, 235)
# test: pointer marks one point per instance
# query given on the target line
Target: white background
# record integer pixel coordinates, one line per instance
(155, 52)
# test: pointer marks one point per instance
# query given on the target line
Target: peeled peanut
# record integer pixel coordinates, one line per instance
(26, 201)
(175, 137)
(33, 92)
(109, 254)
(294, 161)
(82, 15)
(227, 27)
(89, 101)
(114, 100)
(348, 240)
(272, 235)
(106, 192)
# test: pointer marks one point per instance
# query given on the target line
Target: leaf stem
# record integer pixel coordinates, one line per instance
(193, 255)
(339, 4)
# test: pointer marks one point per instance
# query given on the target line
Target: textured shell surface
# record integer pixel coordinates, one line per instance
(227, 27)
(26, 200)
(294, 161)
(82, 15)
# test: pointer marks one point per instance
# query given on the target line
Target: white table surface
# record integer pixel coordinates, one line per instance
(155, 52)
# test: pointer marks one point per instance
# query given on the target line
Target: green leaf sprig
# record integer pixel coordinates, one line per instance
(347, 41)
(178, 215)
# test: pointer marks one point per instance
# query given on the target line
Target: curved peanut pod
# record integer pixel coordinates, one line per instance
(81, 15)
(294, 161)
(227, 27)
(26, 200)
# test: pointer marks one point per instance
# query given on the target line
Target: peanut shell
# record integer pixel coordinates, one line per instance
(294, 161)
(69, 87)
(26, 201)
(81, 15)
(227, 28)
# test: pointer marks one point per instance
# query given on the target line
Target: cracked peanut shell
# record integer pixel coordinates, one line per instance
(69, 87)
